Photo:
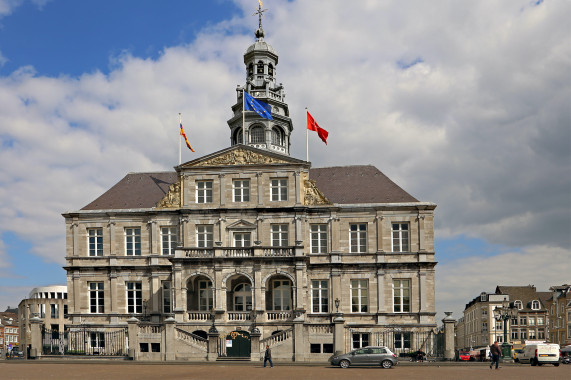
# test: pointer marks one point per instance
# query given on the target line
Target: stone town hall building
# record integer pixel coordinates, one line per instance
(248, 247)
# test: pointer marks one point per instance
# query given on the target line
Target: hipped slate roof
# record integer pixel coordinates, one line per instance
(525, 294)
(341, 185)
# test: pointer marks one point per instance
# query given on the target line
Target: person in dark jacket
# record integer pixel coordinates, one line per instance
(496, 353)
(268, 357)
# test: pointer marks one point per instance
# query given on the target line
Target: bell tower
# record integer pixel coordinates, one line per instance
(249, 128)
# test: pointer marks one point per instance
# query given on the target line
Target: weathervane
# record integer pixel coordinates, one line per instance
(260, 13)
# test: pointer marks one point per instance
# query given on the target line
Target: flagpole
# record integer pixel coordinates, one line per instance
(243, 117)
(179, 139)
(306, 139)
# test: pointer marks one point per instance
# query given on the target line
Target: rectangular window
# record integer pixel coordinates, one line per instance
(499, 325)
(360, 340)
(242, 239)
(205, 295)
(134, 297)
(523, 321)
(401, 296)
(281, 294)
(540, 321)
(203, 191)
(204, 236)
(42, 310)
(400, 237)
(358, 238)
(241, 188)
(96, 297)
(531, 334)
(54, 311)
(541, 333)
(318, 238)
(278, 189)
(402, 340)
(531, 321)
(65, 311)
(279, 235)
(97, 340)
(523, 334)
(133, 241)
(359, 296)
(513, 322)
(95, 241)
(155, 347)
(515, 334)
(315, 348)
(167, 297)
(319, 296)
(169, 240)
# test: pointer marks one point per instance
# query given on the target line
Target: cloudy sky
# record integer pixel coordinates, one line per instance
(465, 104)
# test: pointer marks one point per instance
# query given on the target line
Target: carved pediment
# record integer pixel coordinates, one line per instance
(241, 157)
(241, 225)
(171, 198)
(312, 195)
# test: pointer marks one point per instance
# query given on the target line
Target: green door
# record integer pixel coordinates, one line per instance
(238, 344)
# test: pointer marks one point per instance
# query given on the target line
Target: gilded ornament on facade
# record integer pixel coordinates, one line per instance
(171, 198)
(312, 195)
(241, 157)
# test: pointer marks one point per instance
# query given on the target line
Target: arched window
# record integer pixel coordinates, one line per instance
(277, 136)
(270, 69)
(251, 69)
(257, 135)
(238, 139)
(243, 297)
(260, 67)
(518, 305)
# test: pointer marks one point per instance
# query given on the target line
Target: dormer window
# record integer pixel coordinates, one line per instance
(518, 305)
(535, 305)
(260, 67)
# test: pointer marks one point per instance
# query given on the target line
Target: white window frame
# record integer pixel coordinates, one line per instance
(242, 239)
(518, 304)
(358, 237)
(204, 235)
(169, 240)
(278, 189)
(96, 297)
(281, 295)
(95, 241)
(535, 305)
(359, 292)
(360, 339)
(241, 190)
(246, 296)
(280, 235)
(205, 295)
(402, 300)
(403, 340)
(134, 298)
(318, 238)
(132, 241)
(319, 296)
(400, 236)
(204, 191)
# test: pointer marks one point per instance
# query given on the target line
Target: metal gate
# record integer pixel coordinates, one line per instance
(402, 341)
(85, 341)
(238, 344)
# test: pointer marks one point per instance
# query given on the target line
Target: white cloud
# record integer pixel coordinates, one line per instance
(479, 124)
(460, 281)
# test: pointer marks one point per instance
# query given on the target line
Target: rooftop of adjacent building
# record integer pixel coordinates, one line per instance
(52, 291)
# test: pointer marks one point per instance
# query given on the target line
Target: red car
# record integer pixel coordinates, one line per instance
(464, 356)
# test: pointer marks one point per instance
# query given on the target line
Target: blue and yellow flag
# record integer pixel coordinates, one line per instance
(259, 107)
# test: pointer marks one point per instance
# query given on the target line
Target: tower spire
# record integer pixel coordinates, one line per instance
(260, 13)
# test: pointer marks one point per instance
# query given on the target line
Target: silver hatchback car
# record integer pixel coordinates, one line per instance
(370, 355)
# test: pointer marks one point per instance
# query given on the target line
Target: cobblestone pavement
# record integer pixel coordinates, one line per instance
(26, 370)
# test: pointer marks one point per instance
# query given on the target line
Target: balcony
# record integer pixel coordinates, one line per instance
(234, 252)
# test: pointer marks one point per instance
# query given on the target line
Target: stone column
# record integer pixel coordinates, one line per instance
(153, 235)
(255, 353)
(75, 229)
(379, 220)
(421, 245)
(338, 334)
(449, 323)
(212, 344)
(297, 179)
(299, 346)
(257, 285)
(381, 302)
(36, 327)
(113, 294)
(111, 226)
(132, 333)
(170, 339)
(222, 188)
(179, 292)
(259, 177)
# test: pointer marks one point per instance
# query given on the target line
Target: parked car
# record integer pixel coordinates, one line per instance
(516, 353)
(540, 353)
(464, 356)
(370, 355)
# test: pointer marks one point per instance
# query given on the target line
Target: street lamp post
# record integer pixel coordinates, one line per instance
(505, 312)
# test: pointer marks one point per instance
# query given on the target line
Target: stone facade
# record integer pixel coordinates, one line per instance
(248, 247)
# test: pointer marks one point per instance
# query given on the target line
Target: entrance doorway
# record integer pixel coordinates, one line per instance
(238, 344)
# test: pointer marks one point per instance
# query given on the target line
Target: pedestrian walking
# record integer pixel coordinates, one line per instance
(268, 357)
(495, 352)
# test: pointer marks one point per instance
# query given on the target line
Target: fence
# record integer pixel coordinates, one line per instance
(85, 341)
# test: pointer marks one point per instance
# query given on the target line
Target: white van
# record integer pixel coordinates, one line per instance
(540, 353)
